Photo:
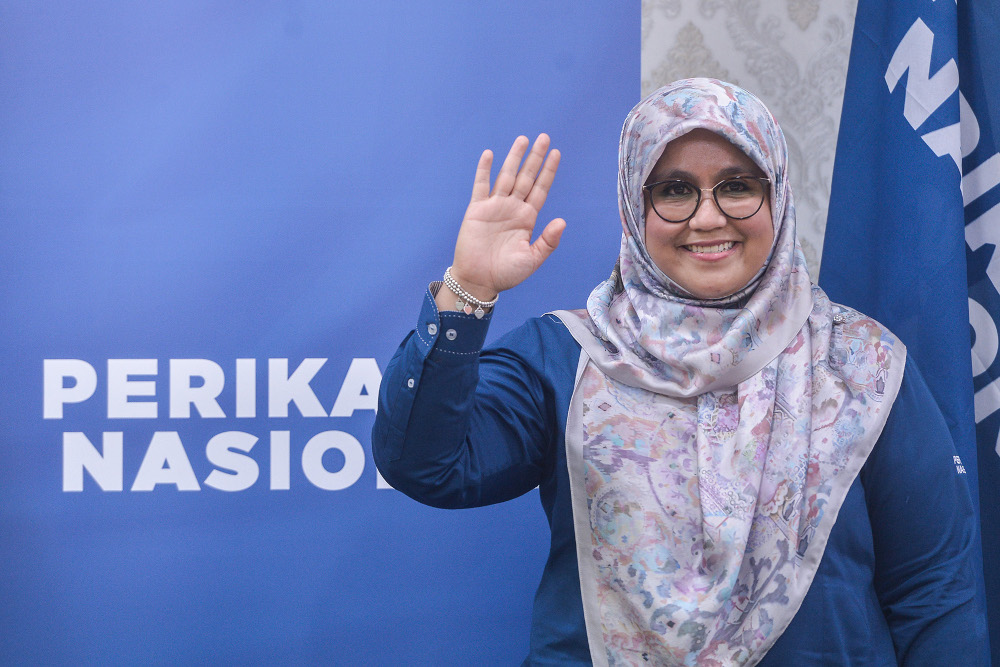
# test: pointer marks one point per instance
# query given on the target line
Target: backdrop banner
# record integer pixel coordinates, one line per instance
(915, 218)
(217, 221)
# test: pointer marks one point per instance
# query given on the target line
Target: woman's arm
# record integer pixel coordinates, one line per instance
(923, 527)
(456, 428)
(453, 430)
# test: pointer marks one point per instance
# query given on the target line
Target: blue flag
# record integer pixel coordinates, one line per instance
(914, 219)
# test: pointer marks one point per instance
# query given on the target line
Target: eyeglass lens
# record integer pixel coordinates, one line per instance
(676, 201)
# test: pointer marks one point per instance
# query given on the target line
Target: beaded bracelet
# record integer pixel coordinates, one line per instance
(465, 300)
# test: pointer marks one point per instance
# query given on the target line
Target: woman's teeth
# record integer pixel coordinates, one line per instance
(719, 247)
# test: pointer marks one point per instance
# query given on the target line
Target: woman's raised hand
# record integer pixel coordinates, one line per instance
(494, 251)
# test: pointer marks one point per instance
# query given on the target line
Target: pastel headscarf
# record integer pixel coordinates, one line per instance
(710, 444)
(658, 335)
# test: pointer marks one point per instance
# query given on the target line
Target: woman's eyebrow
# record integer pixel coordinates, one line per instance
(681, 175)
(673, 174)
(736, 170)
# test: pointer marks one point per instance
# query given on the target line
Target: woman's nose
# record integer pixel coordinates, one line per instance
(708, 215)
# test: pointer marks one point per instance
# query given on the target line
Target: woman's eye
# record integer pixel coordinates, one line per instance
(675, 190)
(739, 187)
(735, 186)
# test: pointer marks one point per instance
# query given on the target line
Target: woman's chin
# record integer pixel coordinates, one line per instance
(711, 291)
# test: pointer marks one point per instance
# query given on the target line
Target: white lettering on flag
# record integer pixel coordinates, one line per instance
(986, 230)
(984, 351)
(956, 140)
(981, 180)
(924, 93)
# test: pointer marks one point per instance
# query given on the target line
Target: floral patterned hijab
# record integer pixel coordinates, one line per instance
(711, 443)
(660, 336)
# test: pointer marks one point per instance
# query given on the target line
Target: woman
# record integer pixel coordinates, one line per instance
(736, 470)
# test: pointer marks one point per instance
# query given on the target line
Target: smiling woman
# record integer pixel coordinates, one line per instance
(725, 457)
(708, 251)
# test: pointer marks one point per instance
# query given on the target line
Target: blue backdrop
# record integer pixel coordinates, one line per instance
(275, 182)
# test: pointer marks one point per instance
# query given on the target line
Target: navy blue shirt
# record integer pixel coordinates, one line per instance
(460, 426)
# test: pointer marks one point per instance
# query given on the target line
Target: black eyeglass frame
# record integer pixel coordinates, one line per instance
(763, 179)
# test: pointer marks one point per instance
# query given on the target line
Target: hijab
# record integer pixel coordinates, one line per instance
(711, 442)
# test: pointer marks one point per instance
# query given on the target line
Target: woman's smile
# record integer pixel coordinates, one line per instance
(712, 251)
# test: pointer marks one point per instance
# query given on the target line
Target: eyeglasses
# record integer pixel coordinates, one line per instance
(738, 198)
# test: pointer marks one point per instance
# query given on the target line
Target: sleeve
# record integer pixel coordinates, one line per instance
(457, 427)
(923, 527)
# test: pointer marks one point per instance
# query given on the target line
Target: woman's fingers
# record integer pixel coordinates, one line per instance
(548, 240)
(508, 172)
(526, 176)
(481, 184)
(529, 182)
(540, 186)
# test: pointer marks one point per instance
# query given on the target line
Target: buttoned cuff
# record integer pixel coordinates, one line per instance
(450, 334)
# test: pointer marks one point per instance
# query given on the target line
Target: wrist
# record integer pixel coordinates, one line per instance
(471, 287)
(465, 300)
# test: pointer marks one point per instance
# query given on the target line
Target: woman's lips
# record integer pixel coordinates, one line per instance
(711, 251)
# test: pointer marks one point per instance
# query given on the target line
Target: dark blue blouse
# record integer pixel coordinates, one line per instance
(461, 426)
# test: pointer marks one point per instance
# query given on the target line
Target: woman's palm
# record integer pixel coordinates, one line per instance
(494, 250)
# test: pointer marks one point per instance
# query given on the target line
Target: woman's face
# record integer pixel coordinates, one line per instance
(709, 255)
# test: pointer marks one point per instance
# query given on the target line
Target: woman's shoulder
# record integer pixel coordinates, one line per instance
(542, 334)
(543, 343)
(860, 347)
(851, 328)
(858, 350)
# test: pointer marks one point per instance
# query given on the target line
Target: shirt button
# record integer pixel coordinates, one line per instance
(451, 334)
(410, 383)
(432, 328)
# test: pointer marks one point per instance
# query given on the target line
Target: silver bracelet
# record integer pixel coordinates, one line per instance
(465, 300)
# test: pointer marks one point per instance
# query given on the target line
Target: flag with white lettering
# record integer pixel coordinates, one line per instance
(915, 217)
